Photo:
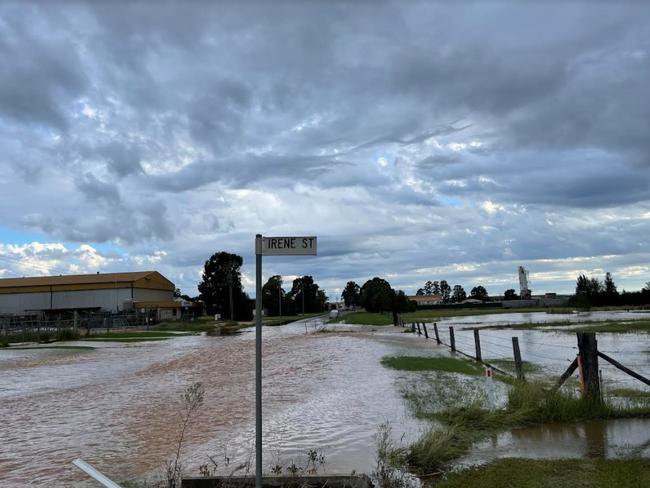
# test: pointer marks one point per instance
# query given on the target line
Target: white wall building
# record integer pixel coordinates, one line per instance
(95, 292)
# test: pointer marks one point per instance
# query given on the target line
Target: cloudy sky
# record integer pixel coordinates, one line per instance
(417, 140)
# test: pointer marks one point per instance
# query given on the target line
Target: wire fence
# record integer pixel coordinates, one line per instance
(545, 352)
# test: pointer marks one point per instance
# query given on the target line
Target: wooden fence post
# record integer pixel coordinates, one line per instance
(519, 367)
(588, 351)
(435, 330)
(426, 333)
(452, 339)
(477, 345)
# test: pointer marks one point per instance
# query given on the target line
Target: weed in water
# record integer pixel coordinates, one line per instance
(192, 400)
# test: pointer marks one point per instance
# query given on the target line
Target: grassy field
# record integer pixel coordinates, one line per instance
(446, 364)
(287, 319)
(615, 327)
(509, 365)
(528, 473)
(71, 348)
(134, 336)
(365, 318)
(432, 315)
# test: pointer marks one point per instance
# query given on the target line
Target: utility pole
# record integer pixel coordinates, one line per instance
(279, 300)
(302, 292)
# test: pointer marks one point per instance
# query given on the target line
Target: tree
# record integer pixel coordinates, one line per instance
(351, 294)
(611, 293)
(589, 288)
(445, 291)
(306, 296)
(428, 288)
(510, 294)
(221, 289)
(273, 296)
(376, 295)
(435, 289)
(479, 293)
(401, 304)
(420, 292)
(458, 295)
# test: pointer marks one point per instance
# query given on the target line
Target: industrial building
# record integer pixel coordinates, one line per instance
(101, 292)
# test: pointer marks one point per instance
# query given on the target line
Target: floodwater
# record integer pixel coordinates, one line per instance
(610, 439)
(553, 349)
(117, 407)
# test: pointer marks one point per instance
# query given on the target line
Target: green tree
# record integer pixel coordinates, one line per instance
(420, 292)
(376, 295)
(306, 296)
(428, 288)
(479, 293)
(610, 291)
(445, 291)
(221, 289)
(351, 294)
(510, 294)
(400, 304)
(435, 289)
(273, 296)
(458, 294)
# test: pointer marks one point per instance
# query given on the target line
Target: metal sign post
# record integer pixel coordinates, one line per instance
(269, 246)
(92, 472)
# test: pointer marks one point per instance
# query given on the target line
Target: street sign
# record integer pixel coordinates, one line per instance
(269, 246)
(288, 246)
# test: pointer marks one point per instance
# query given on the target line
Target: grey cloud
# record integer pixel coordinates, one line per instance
(95, 189)
(40, 75)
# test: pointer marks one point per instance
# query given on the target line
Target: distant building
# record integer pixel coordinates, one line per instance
(101, 292)
(423, 300)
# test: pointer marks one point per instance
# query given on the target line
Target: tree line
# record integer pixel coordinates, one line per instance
(455, 294)
(221, 291)
(591, 291)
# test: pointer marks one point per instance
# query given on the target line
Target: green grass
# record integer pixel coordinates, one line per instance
(629, 393)
(287, 319)
(433, 315)
(365, 318)
(195, 326)
(528, 473)
(627, 326)
(134, 336)
(528, 404)
(445, 364)
(71, 348)
(616, 327)
(126, 339)
(509, 365)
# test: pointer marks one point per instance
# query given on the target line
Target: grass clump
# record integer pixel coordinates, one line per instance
(527, 404)
(64, 348)
(595, 473)
(509, 365)
(629, 393)
(420, 363)
(616, 327)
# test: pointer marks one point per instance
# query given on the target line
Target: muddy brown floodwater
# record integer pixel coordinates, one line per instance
(117, 406)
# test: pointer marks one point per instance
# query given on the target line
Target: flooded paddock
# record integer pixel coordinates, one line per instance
(116, 406)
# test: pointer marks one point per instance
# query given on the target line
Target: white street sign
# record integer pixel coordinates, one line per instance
(288, 246)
